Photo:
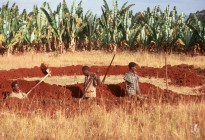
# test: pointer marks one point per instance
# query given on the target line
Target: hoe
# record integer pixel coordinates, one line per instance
(46, 71)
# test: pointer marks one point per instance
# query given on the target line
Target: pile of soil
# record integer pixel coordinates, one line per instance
(48, 97)
(53, 97)
(181, 75)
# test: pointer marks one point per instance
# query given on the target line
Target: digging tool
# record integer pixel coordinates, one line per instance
(101, 82)
(45, 70)
(86, 88)
(88, 85)
(106, 75)
(91, 80)
(166, 70)
(108, 69)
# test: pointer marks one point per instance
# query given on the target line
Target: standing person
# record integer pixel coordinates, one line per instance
(92, 80)
(132, 80)
(16, 92)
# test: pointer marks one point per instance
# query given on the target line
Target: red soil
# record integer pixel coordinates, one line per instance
(182, 75)
(52, 97)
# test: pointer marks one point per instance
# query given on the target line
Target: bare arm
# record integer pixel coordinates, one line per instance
(24, 95)
(138, 88)
(126, 82)
(98, 79)
(5, 94)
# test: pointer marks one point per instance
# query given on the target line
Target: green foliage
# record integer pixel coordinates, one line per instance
(115, 26)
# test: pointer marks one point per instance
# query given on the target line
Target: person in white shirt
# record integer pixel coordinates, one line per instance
(132, 80)
(16, 92)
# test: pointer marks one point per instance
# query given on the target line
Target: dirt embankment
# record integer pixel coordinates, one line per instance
(182, 75)
(52, 97)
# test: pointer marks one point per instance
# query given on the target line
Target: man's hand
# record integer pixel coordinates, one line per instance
(97, 77)
(48, 72)
(5, 94)
(25, 96)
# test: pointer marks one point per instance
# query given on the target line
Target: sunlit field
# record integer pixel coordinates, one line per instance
(128, 120)
(100, 58)
(44, 46)
(162, 121)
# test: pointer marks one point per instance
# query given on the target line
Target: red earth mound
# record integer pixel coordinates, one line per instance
(53, 97)
(182, 75)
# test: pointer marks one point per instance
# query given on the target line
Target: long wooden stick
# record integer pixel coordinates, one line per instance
(166, 70)
(37, 84)
(102, 80)
(108, 69)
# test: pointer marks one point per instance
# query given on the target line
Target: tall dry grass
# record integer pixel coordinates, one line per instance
(153, 122)
(150, 122)
(96, 58)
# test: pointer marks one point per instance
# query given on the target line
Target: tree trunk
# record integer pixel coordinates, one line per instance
(72, 45)
(62, 47)
(90, 44)
(0, 43)
(44, 47)
(48, 48)
(165, 45)
(114, 48)
(55, 44)
(9, 50)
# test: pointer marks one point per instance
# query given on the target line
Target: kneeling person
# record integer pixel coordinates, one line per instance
(92, 80)
(132, 80)
(16, 92)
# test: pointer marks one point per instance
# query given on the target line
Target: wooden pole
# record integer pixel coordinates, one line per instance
(108, 70)
(102, 83)
(37, 84)
(166, 70)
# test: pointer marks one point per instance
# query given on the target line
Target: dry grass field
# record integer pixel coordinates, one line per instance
(183, 121)
(150, 122)
(30, 60)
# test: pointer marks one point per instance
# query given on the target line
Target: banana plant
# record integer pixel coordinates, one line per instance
(91, 31)
(75, 24)
(55, 21)
(117, 26)
(24, 30)
(130, 30)
(151, 23)
(64, 22)
(162, 28)
(197, 27)
(111, 23)
(5, 22)
(10, 25)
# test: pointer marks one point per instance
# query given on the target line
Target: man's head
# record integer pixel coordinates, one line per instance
(14, 86)
(132, 66)
(86, 70)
